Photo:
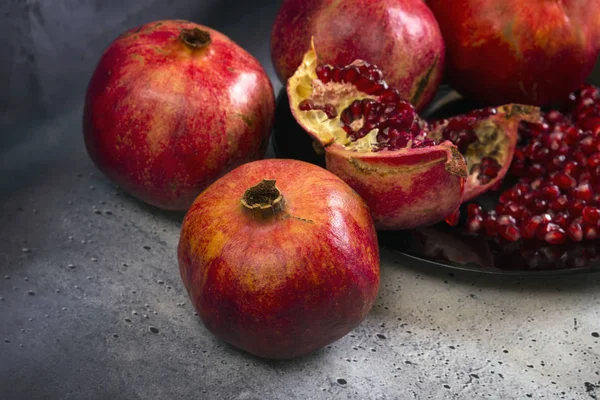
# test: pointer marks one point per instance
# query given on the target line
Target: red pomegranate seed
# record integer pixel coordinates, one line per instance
(562, 220)
(489, 223)
(559, 204)
(590, 232)
(583, 192)
(545, 229)
(563, 181)
(575, 231)
(536, 170)
(575, 207)
(550, 192)
(591, 214)
(557, 236)
(509, 232)
(306, 105)
(475, 223)
(474, 209)
(530, 226)
(594, 160)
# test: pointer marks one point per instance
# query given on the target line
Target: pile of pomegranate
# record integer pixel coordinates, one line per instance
(556, 196)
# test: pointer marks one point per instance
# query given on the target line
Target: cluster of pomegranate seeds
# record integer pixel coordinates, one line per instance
(397, 121)
(488, 169)
(557, 195)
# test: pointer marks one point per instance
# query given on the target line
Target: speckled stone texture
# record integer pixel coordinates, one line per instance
(92, 306)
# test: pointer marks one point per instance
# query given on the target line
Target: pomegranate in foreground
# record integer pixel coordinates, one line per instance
(557, 196)
(172, 106)
(409, 174)
(280, 258)
(401, 36)
(532, 52)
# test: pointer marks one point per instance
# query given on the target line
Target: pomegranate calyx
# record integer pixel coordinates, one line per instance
(195, 38)
(264, 198)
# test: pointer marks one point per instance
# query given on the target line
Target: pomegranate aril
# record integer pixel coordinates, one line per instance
(530, 226)
(550, 192)
(509, 232)
(594, 160)
(489, 223)
(475, 223)
(557, 236)
(561, 219)
(590, 232)
(536, 170)
(390, 96)
(362, 84)
(330, 111)
(474, 209)
(545, 229)
(563, 181)
(575, 231)
(575, 207)
(350, 74)
(583, 192)
(591, 214)
(306, 105)
(559, 204)
(324, 73)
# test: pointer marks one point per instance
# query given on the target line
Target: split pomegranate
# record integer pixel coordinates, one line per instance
(280, 258)
(401, 36)
(409, 173)
(557, 195)
(172, 106)
(532, 52)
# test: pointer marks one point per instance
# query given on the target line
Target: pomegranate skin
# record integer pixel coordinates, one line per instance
(163, 119)
(402, 37)
(404, 189)
(530, 52)
(284, 285)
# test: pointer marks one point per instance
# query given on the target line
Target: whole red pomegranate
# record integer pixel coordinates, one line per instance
(400, 36)
(172, 106)
(280, 258)
(409, 173)
(533, 52)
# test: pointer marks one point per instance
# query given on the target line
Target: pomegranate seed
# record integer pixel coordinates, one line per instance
(474, 209)
(489, 223)
(475, 223)
(530, 226)
(539, 205)
(306, 105)
(594, 160)
(557, 236)
(575, 231)
(545, 229)
(591, 214)
(561, 219)
(506, 220)
(563, 181)
(590, 232)
(550, 192)
(509, 232)
(559, 204)
(575, 207)
(583, 192)
(537, 170)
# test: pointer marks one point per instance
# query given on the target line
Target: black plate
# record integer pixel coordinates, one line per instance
(442, 245)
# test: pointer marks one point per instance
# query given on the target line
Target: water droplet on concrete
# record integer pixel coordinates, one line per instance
(160, 282)
(71, 266)
(6, 341)
(31, 293)
(26, 250)
(6, 277)
(381, 336)
(127, 319)
(153, 329)
(147, 247)
(595, 334)
(342, 381)
(115, 335)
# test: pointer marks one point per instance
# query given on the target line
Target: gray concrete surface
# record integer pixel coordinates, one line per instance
(92, 307)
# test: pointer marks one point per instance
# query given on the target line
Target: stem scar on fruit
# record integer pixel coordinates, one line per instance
(195, 38)
(264, 198)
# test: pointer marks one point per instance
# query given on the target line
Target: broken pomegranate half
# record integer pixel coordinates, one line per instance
(409, 174)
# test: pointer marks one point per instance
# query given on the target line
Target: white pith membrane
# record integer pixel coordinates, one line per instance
(307, 86)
